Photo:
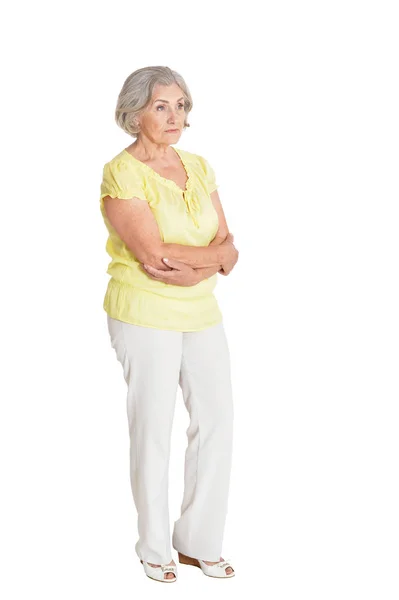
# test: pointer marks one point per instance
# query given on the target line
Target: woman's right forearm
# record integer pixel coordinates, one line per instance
(195, 256)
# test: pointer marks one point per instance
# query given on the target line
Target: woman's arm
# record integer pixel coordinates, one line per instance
(179, 273)
(189, 275)
(206, 272)
(203, 261)
(196, 257)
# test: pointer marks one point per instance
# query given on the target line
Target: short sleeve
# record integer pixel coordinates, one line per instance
(119, 181)
(209, 174)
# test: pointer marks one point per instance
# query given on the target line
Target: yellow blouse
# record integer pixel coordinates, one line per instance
(183, 217)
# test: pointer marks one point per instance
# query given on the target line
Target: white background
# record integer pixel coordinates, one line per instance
(296, 108)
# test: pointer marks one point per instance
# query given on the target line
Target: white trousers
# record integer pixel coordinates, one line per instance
(155, 362)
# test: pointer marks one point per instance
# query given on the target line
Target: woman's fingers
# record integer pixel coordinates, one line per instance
(158, 272)
(175, 264)
(180, 274)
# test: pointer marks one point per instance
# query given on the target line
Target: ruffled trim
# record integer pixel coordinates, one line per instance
(208, 173)
(193, 207)
(117, 181)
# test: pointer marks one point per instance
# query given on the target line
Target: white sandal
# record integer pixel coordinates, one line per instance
(158, 573)
(216, 570)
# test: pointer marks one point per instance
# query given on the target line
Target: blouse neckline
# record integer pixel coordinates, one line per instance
(169, 182)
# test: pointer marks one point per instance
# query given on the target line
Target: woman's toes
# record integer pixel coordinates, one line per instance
(168, 575)
(228, 569)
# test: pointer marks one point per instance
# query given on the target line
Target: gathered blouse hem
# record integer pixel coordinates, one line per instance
(141, 324)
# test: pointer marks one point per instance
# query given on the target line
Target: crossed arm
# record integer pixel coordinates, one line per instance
(205, 272)
(136, 226)
(204, 261)
(192, 264)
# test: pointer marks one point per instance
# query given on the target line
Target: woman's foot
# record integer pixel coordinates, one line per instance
(167, 575)
(228, 569)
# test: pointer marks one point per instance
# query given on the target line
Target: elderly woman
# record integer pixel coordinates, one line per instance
(168, 239)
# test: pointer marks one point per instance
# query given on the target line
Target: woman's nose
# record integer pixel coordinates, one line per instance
(172, 115)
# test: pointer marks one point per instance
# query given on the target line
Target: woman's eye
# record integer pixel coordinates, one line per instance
(162, 106)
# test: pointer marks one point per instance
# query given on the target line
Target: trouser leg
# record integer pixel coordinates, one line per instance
(205, 379)
(151, 360)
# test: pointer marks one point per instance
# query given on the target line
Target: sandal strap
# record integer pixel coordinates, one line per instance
(222, 563)
(225, 563)
(168, 568)
(163, 567)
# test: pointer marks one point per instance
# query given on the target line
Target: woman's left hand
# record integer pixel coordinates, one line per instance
(179, 274)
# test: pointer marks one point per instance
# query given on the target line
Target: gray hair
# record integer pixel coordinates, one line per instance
(136, 94)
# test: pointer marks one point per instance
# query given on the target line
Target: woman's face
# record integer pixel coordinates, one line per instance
(165, 112)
